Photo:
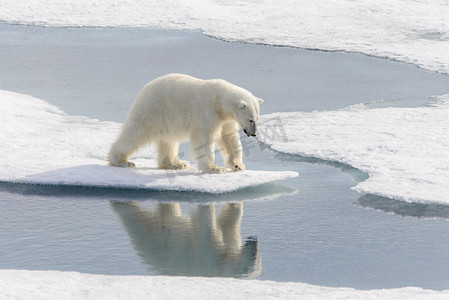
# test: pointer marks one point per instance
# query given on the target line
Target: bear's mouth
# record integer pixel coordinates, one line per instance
(249, 134)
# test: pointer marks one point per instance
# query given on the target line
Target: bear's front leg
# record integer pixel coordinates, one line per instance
(231, 147)
(202, 149)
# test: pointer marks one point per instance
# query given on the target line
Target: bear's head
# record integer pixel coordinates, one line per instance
(247, 114)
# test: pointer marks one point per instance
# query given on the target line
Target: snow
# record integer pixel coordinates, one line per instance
(18, 284)
(405, 151)
(413, 31)
(43, 145)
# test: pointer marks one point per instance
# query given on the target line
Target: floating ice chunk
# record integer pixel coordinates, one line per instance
(405, 151)
(48, 285)
(407, 30)
(41, 144)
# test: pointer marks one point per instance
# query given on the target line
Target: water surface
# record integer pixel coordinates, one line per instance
(311, 229)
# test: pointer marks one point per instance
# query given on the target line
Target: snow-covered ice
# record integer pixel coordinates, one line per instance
(411, 31)
(18, 284)
(41, 144)
(405, 151)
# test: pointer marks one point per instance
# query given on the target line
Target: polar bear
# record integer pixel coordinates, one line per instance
(174, 108)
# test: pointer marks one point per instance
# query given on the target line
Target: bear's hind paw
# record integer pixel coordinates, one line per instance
(179, 165)
(124, 164)
(215, 170)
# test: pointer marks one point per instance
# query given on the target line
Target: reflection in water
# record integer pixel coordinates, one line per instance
(402, 208)
(201, 244)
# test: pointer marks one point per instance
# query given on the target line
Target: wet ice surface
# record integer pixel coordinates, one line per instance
(313, 234)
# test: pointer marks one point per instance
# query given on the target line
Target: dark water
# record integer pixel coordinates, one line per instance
(311, 229)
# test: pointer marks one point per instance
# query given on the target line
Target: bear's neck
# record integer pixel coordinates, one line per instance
(225, 111)
(225, 101)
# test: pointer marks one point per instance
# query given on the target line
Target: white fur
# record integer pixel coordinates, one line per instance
(177, 107)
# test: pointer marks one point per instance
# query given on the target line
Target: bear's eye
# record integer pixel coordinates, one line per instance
(251, 121)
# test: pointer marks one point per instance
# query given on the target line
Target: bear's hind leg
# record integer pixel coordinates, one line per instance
(128, 142)
(167, 156)
(202, 149)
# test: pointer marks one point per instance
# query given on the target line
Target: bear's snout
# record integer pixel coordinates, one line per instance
(251, 130)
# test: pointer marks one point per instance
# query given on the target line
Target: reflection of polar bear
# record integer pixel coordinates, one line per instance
(174, 108)
(201, 244)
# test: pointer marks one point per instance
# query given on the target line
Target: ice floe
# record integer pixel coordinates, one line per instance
(48, 285)
(411, 31)
(40, 144)
(405, 151)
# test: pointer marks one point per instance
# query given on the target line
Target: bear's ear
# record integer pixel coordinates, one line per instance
(260, 100)
(242, 104)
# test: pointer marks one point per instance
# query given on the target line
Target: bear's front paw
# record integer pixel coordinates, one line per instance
(236, 166)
